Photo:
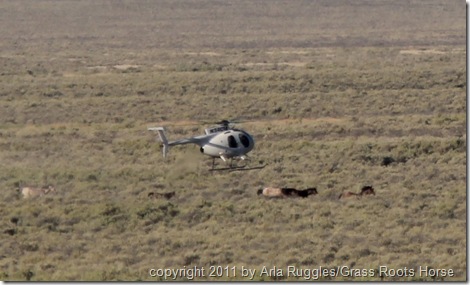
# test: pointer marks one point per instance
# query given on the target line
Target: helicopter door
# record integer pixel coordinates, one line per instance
(244, 140)
(232, 142)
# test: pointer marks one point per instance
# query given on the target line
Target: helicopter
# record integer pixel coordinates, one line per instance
(220, 141)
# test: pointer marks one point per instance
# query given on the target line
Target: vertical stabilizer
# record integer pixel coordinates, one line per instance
(161, 134)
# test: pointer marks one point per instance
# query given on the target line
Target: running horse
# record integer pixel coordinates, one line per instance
(366, 190)
(272, 192)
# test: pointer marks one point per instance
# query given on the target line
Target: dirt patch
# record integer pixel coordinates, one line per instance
(293, 63)
(125, 66)
(208, 53)
(310, 120)
(97, 67)
(421, 51)
(160, 66)
(288, 52)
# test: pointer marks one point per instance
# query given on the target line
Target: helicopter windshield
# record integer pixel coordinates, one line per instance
(232, 142)
(244, 140)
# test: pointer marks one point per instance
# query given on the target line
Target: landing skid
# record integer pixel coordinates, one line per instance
(235, 167)
(238, 168)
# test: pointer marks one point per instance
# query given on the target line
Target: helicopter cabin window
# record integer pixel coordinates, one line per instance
(244, 140)
(232, 142)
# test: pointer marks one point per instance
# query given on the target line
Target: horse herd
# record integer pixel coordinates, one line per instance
(269, 192)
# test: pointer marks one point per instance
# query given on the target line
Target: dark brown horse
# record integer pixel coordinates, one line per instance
(366, 190)
(167, 195)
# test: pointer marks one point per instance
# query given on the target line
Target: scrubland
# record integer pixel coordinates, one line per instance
(336, 95)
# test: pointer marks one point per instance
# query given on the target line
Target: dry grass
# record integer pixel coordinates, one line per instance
(337, 96)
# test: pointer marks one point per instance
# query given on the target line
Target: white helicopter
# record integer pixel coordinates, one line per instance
(220, 141)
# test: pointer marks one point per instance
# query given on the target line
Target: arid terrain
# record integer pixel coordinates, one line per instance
(337, 95)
